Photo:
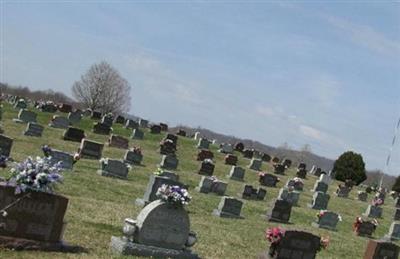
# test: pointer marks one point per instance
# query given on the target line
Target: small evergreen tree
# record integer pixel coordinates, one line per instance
(350, 166)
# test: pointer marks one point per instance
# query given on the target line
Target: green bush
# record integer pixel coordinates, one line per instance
(350, 166)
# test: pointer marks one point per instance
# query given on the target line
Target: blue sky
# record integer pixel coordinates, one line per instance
(312, 73)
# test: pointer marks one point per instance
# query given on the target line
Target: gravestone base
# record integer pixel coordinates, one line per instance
(141, 202)
(18, 120)
(315, 224)
(20, 244)
(223, 214)
(108, 174)
(122, 246)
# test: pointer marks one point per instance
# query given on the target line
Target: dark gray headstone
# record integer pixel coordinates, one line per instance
(203, 143)
(39, 217)
(237, 173)
(118, 142)
(114, 168)
(66, 158)
(90, 149)
(132, 157)
(26, 116)
(169, 162)
(280, 211)
(255, 164)
(137, 134)
(374, 211)
(5, 145)
(59, 122)
(268, 180)
(131, 124)
(229, 207)
(320, 201)
(75, 117)
(33, 130)
(329, 220)
(101, 128)
(74, 134)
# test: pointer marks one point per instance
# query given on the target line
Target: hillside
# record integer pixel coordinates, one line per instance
(98, 205)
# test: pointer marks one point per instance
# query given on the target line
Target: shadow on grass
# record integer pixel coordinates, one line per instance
(104, 228)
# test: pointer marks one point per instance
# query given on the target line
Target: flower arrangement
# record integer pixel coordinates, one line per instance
(137, 150)
(174, 195)
(262, 174)
(159, 171)
(38, 174)
(357, 223)
(298, 180)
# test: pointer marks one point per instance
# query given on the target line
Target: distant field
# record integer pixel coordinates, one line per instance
(98, 205)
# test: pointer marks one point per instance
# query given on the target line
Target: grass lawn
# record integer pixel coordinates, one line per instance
(98, 205)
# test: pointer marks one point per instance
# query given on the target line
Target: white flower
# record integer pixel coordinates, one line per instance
(4, 213)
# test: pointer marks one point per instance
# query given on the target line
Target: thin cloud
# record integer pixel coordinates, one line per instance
(366, 36)
(311, 132)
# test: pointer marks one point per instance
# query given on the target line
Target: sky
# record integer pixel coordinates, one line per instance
(316, 73)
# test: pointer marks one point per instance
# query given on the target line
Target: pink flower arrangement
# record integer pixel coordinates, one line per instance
(274, 235)
(377, 201)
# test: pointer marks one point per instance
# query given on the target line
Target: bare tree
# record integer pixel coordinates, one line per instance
(102, 88)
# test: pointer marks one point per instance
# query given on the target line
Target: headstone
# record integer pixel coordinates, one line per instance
(226, 148)
(74, 134)
(90, 149)
(289, 195)
(320, 187)
(131, 124)
(48, 107)
(239, 146)
(160, 231)
(265, 157)
(396, 215)
(66, 159)
(252, 193)
(197, 135)
(362, 196)
(203, 143)
(169, 162)
(366, 228)
(318, 172)
(237, 173)
(154, 183)
(296, 244)
(33, 130)
(101, 128)
(312, 170)
(301, 173)
(113, 168)
(287, 163)
(143, 123)
(229, 207)
(137, 134)
(325, 179)
(206, 168)
(280, 211)
(170, 175)
(20, 104)
(394, 231)
(87, 113)
(74, 118)
(118, 142)
(295, 183)
(373, 211)
(120, 119)
(268, 180)
(167, 147)
(164, 127)
(5, 145)
(39, 217)
(25, 116)
(279, 169)
(231, 159)
(397, 202)
(96, 115)
(66, 108)
(343, 191)
(255, 164)
(328, 220)
(204, 154)
(155, 129)
(59, 122)
(377, 249)
(172, 137)
(320, 201)
(181, 132)
(248, 153)
(275, 160)
(108, 120)
(132, 157)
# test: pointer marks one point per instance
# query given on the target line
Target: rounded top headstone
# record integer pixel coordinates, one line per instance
(163, 225)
